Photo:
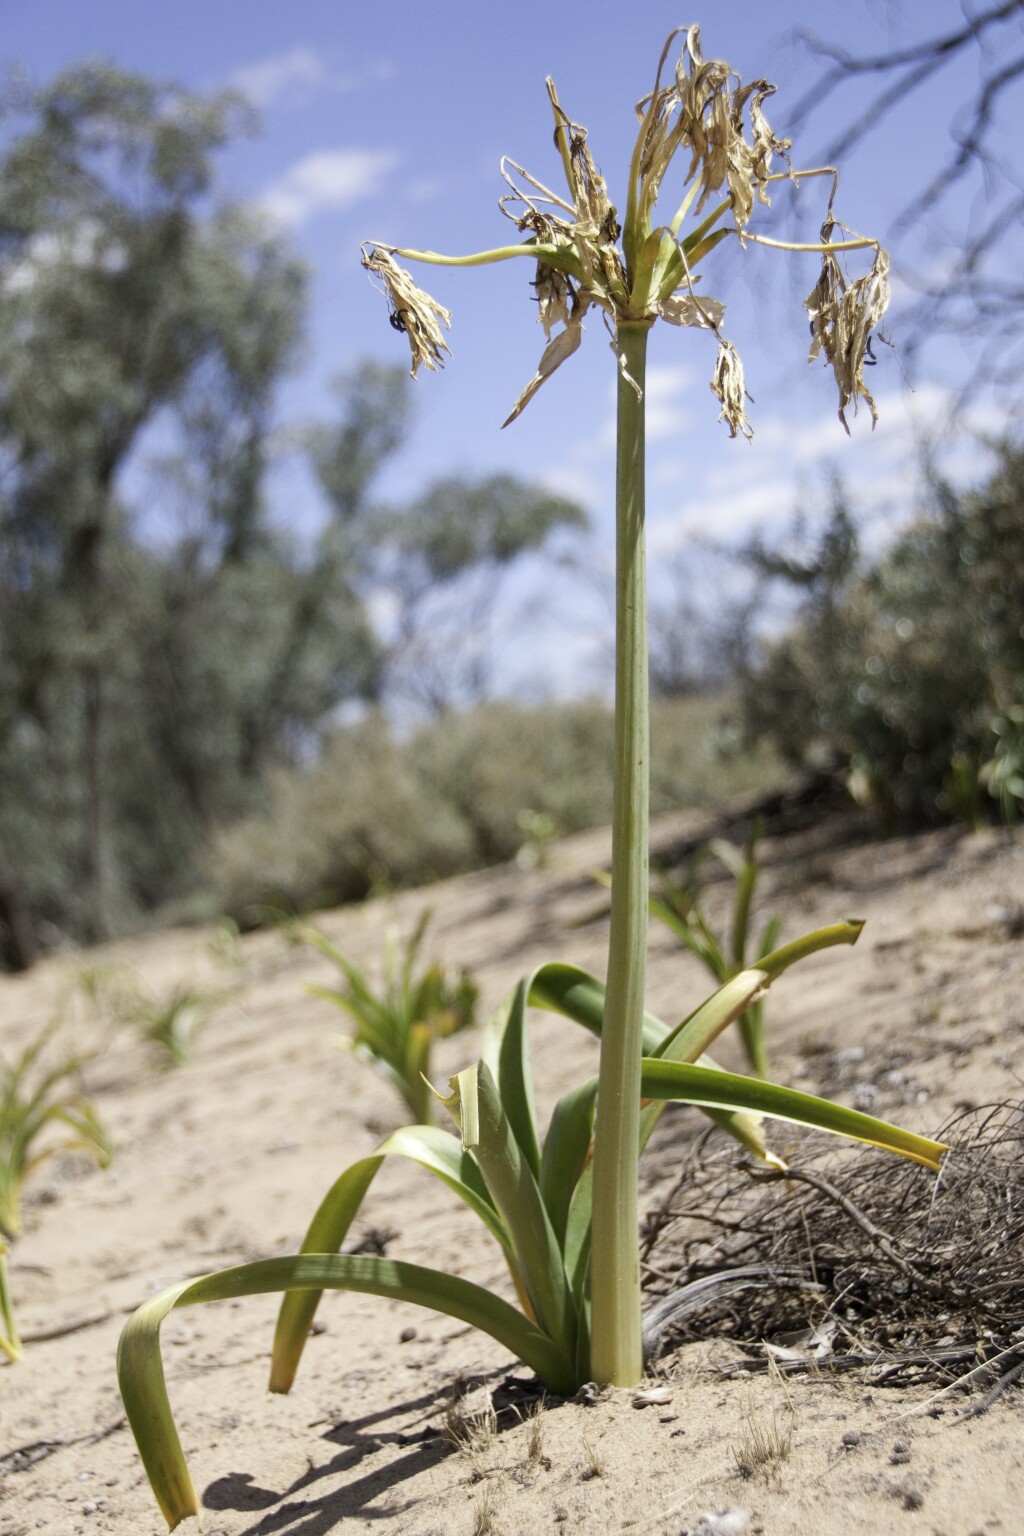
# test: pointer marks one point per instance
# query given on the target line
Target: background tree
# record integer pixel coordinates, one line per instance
(442, 561)
(166, 641)
(904, 669)
(109, 281)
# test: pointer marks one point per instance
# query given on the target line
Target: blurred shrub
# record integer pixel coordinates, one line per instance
(377, 811)
(898, 669)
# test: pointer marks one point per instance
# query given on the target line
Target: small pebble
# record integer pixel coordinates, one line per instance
(407, 1335)
(722, 1522)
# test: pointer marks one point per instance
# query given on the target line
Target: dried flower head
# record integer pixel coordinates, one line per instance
(645, 267)
(729, 389)
(843, 317)
(413, 312)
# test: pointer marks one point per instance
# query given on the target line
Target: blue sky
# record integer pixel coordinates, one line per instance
(388, 122)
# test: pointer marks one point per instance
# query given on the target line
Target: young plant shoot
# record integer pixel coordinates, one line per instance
(679, 905)
(395, 1026)
(564, 1211)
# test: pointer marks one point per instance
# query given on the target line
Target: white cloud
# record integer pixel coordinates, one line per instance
(299, 70)
(734, 511)
(782, 470)
(330, 178)
(666, 415)
(574, 483)
(384, 609)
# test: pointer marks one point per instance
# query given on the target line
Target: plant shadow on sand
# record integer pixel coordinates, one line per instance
(356, 1439)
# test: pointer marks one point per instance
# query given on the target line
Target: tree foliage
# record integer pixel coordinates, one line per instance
(166, 640)
(904, 669)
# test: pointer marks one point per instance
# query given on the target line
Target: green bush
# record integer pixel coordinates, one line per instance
(907, 670)
(376, 811)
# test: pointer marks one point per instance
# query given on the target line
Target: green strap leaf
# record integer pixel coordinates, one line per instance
(769, 937)
(515, 1079)
(577, 1234)
(575, 993)
(413, 948)
(746, 880)
(140, 1368)
(569, 990)
(751, 1028)
(691, 1039)
(477, 1107)
(779, 960)
(10, 1343)
(566, 1150)
(415, 1089)
(434, 1149)
(707, 1086)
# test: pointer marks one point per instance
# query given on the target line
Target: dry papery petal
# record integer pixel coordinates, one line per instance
(556, 296)
(728, 387)
(412, 311)
(711, 122)
(596, 229)
(842, 320)
(688, 309)
(824, 299)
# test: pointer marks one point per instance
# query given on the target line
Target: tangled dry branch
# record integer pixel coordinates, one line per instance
(852, 1265)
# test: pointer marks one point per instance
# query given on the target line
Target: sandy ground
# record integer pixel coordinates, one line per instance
(224, 1159)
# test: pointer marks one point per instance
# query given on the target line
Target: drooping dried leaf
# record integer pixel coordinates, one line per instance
(711, 122)
(561, 346)
(595, 228)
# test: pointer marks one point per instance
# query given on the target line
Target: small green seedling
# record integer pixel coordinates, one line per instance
(564, 1210)
(539, 832)
(395, 1028)
(678, 905)
(43, 1112)
(168, 1022)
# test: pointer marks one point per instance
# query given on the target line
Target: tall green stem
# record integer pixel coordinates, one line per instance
(616, 1349)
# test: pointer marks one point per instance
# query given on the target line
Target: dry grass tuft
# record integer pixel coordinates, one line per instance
(533, 1418)
(471, 1426)
(593, 1461)
(483, 1512)
(767, 1437)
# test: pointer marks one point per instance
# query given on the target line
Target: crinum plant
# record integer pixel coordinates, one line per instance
(564, 1211)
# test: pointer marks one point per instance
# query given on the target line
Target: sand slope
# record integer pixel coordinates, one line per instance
(225, 1159)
